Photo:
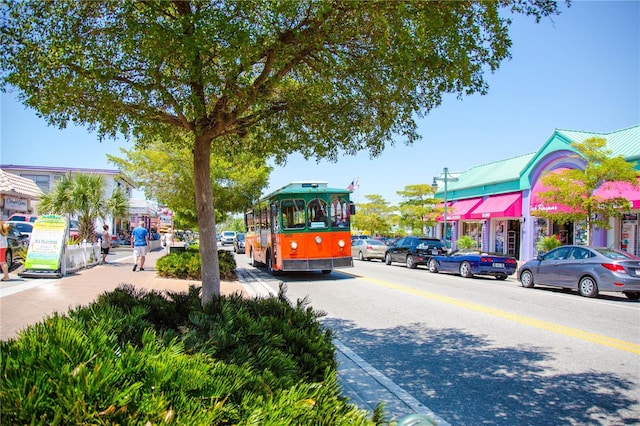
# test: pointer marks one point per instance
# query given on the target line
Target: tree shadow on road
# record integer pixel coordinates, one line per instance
(467, 381)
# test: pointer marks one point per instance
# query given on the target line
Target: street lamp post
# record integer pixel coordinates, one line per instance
(446, 178)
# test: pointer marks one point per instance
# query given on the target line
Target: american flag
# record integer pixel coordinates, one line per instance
(353, 185)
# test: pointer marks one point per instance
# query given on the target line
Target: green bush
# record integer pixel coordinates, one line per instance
(466, 242)
(546, 244)
(187, 265)
(144, 357)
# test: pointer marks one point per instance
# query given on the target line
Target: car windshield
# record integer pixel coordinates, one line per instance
(240, 237)
(23, 227)
(375, 243)
(616, 254)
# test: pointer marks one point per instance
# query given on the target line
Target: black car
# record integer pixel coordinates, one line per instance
(16, 244)
(414, 251)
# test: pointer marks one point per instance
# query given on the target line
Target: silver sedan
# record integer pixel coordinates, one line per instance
(586, 269)
(367, 249)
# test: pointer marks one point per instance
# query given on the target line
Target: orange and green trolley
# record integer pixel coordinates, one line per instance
(303, 226)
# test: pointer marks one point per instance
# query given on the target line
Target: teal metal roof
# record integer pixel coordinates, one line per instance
(497, 174)
(624, 143)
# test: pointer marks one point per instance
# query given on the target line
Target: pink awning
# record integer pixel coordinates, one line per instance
(505, 205)
(626, 190)
(536, 203)
(460, 209)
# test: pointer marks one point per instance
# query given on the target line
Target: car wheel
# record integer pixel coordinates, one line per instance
(526, 278)
(631, 295)
(501, 277)
(252, 260)
(410, 263)
(9, 257)
(465, 270)
(588, 287)
(387, 259)
(433, 265)
(360, 257)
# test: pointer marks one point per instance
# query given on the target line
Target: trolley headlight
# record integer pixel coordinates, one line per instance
(341, 243)
(318, 239)
(294, 245)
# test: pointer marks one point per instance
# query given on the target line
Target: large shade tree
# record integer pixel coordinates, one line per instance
(86, 196)
(320, 77)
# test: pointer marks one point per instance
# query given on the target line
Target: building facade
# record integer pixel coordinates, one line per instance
(496, 203)
(45, 178)
(17, 195)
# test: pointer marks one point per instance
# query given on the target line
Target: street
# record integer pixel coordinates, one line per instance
(483, 351)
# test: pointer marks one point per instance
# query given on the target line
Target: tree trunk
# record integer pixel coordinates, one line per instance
(206, 219)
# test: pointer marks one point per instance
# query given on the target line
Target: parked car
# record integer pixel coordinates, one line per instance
(25, 228)
(468, 263)
(74, 234)
(587, 269)
(227, 237)
(368, 249)
(414, 251)
(21, 217)
(238, 243)
(16, 244)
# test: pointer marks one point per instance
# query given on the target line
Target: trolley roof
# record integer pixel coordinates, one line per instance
(306, 186)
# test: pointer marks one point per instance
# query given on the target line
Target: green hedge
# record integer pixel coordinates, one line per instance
(140, 357)
(186, 265)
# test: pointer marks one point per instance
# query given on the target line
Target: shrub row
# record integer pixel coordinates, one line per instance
(186, 265)
(145, 357)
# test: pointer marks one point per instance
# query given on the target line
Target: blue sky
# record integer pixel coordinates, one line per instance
(578, 71)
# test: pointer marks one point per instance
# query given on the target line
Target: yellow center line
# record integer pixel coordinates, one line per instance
(544, 325)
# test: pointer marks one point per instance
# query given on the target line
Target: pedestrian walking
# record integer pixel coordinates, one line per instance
(139, 243)
(106, 243)
(4, 230)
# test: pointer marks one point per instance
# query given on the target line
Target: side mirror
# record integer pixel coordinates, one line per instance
(352, 208)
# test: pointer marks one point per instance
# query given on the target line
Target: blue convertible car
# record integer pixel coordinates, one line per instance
(468, 263)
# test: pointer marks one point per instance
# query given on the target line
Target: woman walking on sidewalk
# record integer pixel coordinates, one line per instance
(139, 243)
(4, 230)
(105, 244)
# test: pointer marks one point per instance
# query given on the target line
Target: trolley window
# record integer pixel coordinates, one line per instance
(292, 214)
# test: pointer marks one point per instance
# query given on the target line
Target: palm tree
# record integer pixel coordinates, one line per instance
(84, 195)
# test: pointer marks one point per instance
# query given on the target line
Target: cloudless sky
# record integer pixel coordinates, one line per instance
(577, 71)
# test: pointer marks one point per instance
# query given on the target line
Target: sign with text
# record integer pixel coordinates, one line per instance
(46, 244)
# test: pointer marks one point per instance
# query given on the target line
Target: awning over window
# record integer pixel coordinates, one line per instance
(461, 209)
(610, 190)
(505, 205)
(537, 204)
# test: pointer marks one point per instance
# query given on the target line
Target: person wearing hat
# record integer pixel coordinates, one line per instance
(4, 230)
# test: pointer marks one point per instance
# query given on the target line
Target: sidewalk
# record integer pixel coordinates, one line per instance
(19, 309)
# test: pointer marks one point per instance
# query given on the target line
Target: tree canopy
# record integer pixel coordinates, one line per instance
(320, 77)
(419, 208)
(374, 216)
(166, 175)
(576, 188)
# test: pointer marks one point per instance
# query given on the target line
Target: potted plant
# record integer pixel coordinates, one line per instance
(546, 244)
(466, 242)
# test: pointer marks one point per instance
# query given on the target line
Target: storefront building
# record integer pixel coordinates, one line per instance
(18, 195)
(496, 203)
